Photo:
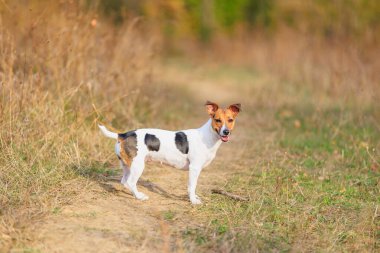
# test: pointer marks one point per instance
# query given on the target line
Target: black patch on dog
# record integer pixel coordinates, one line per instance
(181, 142)
(152, 142)
(128, 134)
(128, 142)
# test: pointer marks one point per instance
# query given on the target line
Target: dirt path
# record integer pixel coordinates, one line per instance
(106, 218)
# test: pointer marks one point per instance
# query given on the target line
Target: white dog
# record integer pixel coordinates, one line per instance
(191, 149)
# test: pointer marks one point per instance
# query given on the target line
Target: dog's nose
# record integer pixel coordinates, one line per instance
(226, 132)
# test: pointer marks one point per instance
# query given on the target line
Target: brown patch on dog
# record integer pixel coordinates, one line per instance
(128, 147)
(222, 116)
(235, 109)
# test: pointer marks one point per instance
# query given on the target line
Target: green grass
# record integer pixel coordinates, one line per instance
(321, 193)
(95, 169)
(168, 215)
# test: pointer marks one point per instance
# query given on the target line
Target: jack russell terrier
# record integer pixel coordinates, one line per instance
(191, 149)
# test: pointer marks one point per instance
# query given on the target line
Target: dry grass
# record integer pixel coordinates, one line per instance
(57, 65)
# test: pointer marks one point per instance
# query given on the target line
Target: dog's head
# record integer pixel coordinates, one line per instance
(223, 120)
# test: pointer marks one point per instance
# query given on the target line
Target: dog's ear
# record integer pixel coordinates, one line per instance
(211, 107)
(235, 108)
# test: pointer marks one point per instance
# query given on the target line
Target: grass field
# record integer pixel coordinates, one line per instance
(305, 152)
(310, 170)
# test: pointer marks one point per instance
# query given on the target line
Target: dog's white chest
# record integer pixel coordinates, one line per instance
(209, 159)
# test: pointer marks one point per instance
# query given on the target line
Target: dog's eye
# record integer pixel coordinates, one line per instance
(218, 121)
(230, 120)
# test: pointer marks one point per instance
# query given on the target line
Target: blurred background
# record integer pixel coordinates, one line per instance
(328, 44)
(307, 74)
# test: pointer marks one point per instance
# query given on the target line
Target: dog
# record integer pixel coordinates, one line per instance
(191, 149)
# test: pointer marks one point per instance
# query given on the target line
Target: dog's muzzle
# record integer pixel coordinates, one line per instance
(225, 135)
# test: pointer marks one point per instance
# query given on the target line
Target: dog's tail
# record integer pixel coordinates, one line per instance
(107, 133)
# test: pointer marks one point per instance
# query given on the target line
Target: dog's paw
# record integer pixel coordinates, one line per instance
(141, 196)
(195, 200)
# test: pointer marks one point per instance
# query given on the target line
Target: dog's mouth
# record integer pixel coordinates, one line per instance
(224, 138)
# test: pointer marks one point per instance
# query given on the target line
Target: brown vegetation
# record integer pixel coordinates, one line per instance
(59, 70)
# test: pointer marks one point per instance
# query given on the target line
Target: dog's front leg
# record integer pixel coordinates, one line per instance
(194, 171)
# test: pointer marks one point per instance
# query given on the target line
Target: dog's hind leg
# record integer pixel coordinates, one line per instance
(123, 164)
(136, 170)
(126, 172)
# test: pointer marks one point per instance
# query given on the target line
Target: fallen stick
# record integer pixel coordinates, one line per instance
(232, 196)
